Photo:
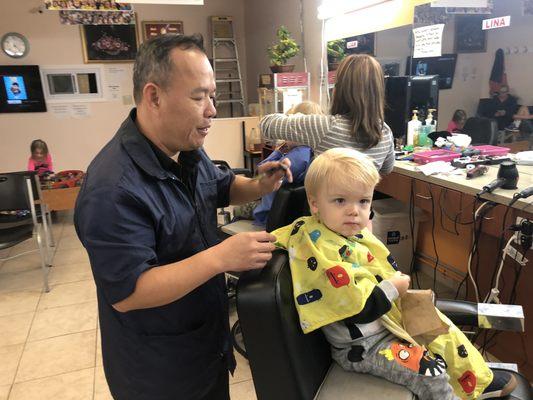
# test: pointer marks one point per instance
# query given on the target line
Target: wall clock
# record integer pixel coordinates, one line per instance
(15, 45)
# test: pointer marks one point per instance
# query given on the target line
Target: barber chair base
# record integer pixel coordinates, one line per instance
(341, 384)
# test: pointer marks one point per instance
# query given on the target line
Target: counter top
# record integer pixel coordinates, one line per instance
(475, 185)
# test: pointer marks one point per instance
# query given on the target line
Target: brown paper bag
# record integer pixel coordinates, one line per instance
(420, 318)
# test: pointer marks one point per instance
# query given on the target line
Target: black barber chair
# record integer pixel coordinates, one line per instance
(481, 130)
(288, 365)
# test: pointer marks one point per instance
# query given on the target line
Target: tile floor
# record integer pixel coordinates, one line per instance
(50, 342)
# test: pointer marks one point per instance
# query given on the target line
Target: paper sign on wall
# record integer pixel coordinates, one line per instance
(428, 41)
(493, 23)
(291, 97)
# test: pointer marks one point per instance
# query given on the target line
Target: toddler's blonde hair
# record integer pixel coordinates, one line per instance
(305, 107)
(340, 166)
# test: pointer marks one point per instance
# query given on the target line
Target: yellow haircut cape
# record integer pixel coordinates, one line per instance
(333, 276)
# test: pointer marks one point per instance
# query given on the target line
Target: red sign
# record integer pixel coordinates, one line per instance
(493, 23)
(292, 79)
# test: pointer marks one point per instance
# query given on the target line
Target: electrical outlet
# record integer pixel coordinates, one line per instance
(518, 234)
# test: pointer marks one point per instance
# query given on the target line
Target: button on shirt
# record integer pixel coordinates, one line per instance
(138, 209)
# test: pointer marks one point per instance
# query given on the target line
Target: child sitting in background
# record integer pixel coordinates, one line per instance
(346, 282)
(299, 155)
(457, 123)
(40, 159)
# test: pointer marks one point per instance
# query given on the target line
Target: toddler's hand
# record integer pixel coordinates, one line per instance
(401, 282)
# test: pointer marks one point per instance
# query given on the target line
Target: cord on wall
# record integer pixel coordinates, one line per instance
(302, 32)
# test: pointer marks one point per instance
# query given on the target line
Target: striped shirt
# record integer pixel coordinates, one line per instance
(324, 132)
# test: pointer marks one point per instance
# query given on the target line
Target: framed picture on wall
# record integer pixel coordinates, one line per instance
(469, 37)
(361, 44)
(109, 43)
(153, 29)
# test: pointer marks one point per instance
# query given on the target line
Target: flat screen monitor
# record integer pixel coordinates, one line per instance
(424, 93)
(21, 89)
(443, 66)
(397, 96)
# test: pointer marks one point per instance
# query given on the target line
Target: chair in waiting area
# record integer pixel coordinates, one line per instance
(286, 364)
(44, 215)
(19, 221)
(482, 130)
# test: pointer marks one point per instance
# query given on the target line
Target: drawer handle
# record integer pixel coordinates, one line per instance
(488, 218)
(423, 197)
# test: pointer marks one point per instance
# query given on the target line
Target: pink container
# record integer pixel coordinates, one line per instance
(425, 157)
(488, 150)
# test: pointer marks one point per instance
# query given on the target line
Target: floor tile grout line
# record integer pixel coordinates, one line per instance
(51, 376)
(57, 336)
(26, 341)
(95, 355)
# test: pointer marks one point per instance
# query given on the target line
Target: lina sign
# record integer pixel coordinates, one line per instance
(500, 22)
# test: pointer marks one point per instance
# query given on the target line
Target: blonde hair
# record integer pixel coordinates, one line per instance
(305, 107)
(340, 165)
(359, 95)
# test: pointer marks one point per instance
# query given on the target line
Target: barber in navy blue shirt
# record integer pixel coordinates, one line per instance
(148, 223)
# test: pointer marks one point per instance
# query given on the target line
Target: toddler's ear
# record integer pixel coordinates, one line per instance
(313, 207)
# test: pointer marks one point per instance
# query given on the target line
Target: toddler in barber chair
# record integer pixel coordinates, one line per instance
(346, 283)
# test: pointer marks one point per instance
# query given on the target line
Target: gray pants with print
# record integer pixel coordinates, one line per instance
(386, 356)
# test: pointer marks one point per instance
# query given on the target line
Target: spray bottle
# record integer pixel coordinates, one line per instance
(431, 123)
(413, 127)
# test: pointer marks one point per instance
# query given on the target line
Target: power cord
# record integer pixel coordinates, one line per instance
(433, 239)
(412, 268)
(475, 238)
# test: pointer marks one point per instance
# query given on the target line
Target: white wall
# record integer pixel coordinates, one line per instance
(74, 142)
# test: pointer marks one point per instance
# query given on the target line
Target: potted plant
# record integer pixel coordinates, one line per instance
(336, 52)
(281, 52)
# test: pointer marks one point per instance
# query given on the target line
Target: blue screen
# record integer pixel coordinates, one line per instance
(15, 89)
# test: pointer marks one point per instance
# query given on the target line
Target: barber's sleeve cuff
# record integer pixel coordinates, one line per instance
(389, 289)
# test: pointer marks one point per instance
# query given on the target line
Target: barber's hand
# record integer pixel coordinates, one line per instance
(271, 174)
(401, 282)
(244, 251)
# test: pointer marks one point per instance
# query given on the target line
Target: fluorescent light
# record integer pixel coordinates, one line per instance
(331, 8)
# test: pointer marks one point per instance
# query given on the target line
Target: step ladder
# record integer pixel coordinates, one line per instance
(230, 99)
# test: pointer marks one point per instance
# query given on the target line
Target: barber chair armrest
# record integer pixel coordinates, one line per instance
(237, 171)
(488, 316)
(242, 171)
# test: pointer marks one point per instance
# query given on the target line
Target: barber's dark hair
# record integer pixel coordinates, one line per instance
(153, 62)
(39, 144)
(459, 115)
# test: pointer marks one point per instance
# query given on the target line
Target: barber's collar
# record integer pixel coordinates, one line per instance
(149, 157)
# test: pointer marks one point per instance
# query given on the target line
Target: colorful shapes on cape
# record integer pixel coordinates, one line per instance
(296, 227)
(312, 263)
(309, 297)
(314, 235)
(468, 382)
(369, 257)
(392, 262)
(338, 276)
(461, 350)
